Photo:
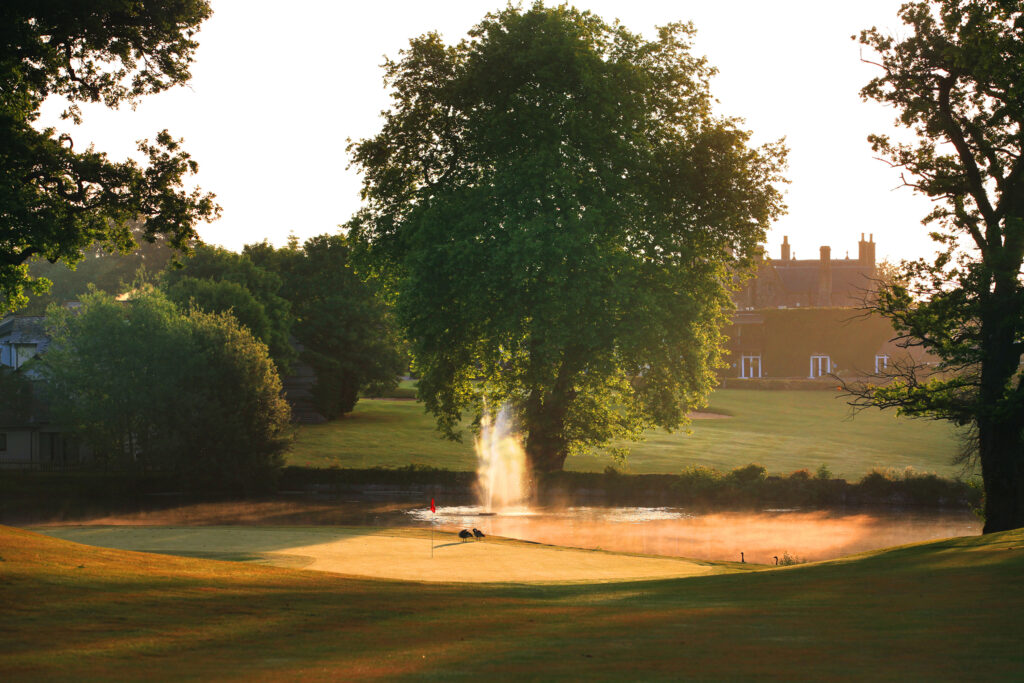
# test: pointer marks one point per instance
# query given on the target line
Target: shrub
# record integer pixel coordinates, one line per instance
(788, 560)
(150, 388)
(748, 475)
(699, 481)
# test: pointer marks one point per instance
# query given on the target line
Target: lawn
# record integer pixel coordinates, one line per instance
(390, 553)
(947, 610)
(782, 430)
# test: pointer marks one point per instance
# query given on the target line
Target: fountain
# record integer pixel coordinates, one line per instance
(506, 508)
(502, 481)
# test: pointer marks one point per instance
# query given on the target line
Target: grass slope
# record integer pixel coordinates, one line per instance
(782, 430)
(950, 610)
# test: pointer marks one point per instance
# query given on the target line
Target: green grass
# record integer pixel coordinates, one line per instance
(406, 389)
(782, 430)
(948, 610)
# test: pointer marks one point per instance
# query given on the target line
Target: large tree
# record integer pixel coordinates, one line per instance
(559, 213)
(145, 385)
(957, 81)
(58, 198)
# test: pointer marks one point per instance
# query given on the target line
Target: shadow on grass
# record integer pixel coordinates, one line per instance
(946, 610)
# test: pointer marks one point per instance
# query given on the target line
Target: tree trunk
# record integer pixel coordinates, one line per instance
(1000, 451)
(546, 444)
(1000, 442)
(546, 447)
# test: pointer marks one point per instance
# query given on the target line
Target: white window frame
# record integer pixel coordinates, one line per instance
(879, 367)
(818, 362)
(748, 365)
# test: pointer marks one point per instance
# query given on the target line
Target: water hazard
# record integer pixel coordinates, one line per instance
(809, 535)
(760, 536)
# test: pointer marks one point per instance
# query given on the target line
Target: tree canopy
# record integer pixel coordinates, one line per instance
(114, 273)
(56, 198)
(558, 212)
(344, 328)
(145, 385)
(217, 280)
(957, 82)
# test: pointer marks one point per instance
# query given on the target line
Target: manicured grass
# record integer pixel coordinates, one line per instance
(380, 433)
(782, 430)
(950, 610)
(390, 553)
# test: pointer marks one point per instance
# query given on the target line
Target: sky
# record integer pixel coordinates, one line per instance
(278, 90)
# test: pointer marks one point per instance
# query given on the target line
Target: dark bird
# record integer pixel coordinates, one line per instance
(464, 535)
(743, 559)
(478, 533)
(776, 558)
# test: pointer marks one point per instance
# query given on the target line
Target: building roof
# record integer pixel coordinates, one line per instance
(24, 329)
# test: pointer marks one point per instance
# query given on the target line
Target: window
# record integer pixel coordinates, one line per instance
(750, 367)
(881, 363)
(21, 353)
(820, 365)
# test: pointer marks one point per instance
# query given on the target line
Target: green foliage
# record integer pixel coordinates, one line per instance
(56, 201)
(699, 480)
(345, 329)
(956, 82)
(749, 475)
(111, 272)
(16, 396)
(556, 210)
(148, 387)
(750, 487)
(216, 280)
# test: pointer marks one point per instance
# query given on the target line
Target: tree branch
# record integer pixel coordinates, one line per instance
(956, 136)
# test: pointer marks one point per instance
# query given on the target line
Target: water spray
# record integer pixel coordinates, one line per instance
(501, 463)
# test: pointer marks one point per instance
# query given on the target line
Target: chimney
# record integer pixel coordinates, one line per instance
(866, 251)
(785, 247)
(825, 277)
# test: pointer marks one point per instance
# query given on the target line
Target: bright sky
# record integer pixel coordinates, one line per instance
(277, 90)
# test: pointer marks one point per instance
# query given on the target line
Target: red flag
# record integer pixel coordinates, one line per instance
(432, 508)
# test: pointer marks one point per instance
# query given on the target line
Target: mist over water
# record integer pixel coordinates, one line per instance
(809, 535)
(760, 536)
(502, 483)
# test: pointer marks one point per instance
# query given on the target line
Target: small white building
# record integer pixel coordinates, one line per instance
(28, 440)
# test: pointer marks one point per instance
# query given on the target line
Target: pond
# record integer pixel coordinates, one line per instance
(760, 536)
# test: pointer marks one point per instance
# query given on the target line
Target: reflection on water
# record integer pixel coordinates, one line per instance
(714, 536)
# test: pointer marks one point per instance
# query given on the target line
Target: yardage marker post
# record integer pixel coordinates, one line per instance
(433, 511)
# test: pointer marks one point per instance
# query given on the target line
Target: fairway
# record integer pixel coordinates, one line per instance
(946, 610)
(403, 554)
(782, 430)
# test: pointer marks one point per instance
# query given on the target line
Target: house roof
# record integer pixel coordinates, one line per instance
(850, 279)
(24, 329)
